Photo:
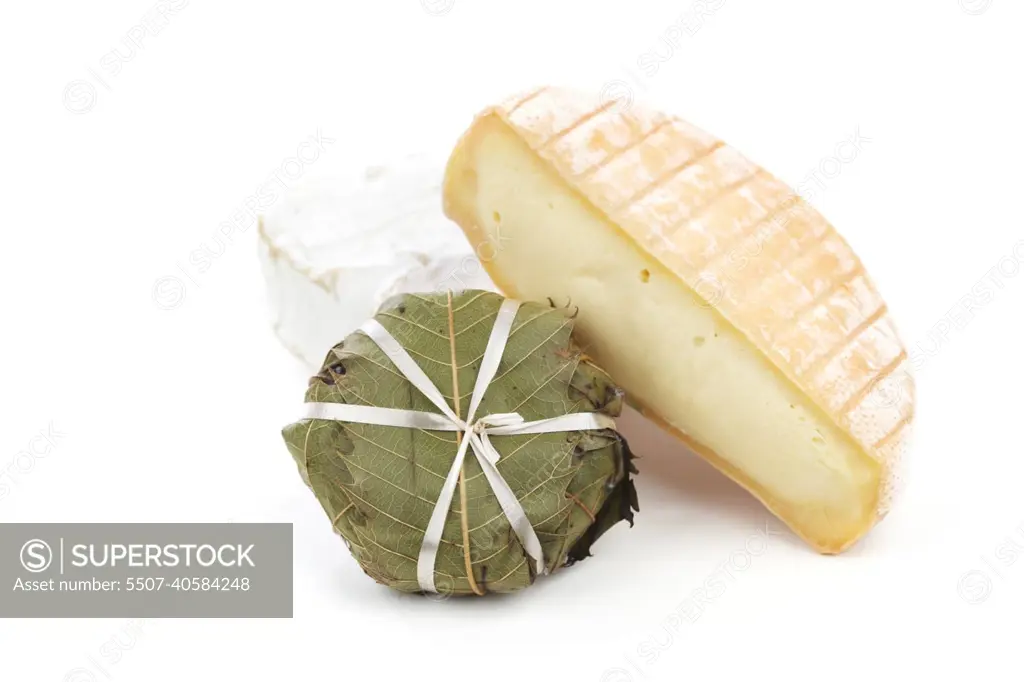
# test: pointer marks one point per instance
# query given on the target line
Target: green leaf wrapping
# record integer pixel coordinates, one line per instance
(379, 484)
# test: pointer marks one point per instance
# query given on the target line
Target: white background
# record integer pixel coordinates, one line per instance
(174, 414)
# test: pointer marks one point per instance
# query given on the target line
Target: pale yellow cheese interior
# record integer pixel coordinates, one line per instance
(675, 354)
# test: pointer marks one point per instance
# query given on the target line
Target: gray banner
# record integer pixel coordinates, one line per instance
(141, 570)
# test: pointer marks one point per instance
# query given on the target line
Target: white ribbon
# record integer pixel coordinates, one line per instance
(476, 434)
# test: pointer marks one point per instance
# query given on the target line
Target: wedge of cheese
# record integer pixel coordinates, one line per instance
(730, 310)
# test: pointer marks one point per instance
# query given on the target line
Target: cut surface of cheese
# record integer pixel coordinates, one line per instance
(332, 249)
(729, 309)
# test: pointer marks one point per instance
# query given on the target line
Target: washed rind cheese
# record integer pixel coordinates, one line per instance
(730, 310)
(333, 248)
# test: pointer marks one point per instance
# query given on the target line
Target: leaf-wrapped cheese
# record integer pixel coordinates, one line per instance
(379, 484)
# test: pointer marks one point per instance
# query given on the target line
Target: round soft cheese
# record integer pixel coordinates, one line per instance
(333, 249)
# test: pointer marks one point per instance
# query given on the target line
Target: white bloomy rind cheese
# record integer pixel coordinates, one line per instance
(729, 309)
(332, 250)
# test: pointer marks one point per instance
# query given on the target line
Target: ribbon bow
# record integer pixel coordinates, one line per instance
(476, 434)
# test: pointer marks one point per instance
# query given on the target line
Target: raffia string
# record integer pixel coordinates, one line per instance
(471, 433)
